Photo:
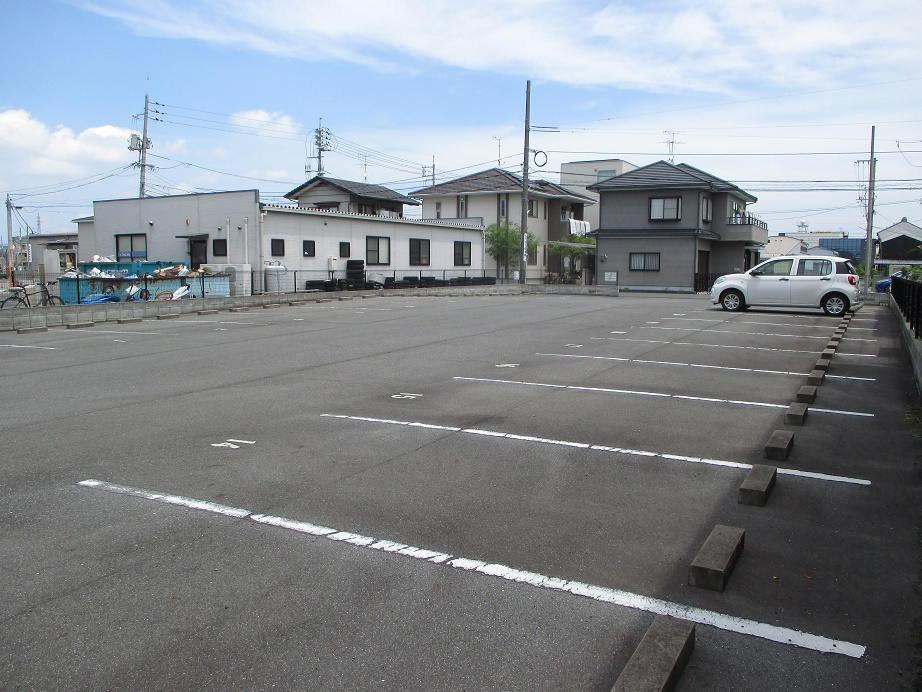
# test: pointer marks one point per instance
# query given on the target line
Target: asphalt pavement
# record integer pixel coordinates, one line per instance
(485, 492)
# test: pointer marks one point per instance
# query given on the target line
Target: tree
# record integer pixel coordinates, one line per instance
(504, 243)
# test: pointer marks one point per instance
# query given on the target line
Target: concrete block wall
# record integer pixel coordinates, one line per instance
(21, 318)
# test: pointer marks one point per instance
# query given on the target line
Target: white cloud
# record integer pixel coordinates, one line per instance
(38, 149)
(712, 45)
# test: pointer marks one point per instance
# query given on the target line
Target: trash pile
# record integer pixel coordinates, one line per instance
(174, 272)
(179, 270)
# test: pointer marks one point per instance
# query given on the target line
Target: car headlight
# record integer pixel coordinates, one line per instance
(720, 280)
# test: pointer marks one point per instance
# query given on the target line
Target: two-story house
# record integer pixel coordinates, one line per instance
(673, 227)
(495, 196)
(350, 197)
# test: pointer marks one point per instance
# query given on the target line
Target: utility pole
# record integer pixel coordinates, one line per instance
(322, 142)
(523, 265)
(433, 169)
(869, 239)
(9, 240)
(142, 144)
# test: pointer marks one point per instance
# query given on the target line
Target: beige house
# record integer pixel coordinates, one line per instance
(495, 196)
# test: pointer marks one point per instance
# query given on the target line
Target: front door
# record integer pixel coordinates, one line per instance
(198, 252)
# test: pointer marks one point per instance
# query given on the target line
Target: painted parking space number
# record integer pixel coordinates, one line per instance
(507, 365)
(405, 395)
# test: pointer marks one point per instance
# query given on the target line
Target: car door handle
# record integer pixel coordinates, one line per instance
(826, 278)
(783, 279)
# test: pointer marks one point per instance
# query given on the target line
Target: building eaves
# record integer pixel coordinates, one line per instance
(310, 211)
(498, 181)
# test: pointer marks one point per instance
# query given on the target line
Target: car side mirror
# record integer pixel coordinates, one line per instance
(755, 272)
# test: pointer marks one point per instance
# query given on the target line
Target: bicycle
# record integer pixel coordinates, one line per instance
(21, 297)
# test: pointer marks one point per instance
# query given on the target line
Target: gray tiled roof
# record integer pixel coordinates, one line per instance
(358, 189)
(497, 180)
(665, 175)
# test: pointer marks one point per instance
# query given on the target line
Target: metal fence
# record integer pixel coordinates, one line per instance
(272, 280)
(73, 291)
(908, 297)
(703, 282)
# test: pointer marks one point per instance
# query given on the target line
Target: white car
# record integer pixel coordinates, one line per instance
(807, 281)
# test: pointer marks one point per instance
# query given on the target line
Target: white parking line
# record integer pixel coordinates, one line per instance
(603, 448)
(728, 331)
(637, 392)
(746, 348)
(43, 348)
(627, 599)
(700, 365)
(770, 324)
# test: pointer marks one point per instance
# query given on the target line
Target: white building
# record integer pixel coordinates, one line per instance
(235, 229)
(577, 175)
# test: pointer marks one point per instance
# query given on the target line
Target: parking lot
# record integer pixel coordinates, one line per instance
(453, 493)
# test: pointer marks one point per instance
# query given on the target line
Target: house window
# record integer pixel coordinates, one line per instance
(502, 208)
(369, 209)
(707, 209)
(419, 252)
(564, 212)
(462, 207)
(605, 175)
(532, 255)
(377, 249)
(438, 210)
(545, 209)
(327, 205)
(462, 253)
(533, 208)
(345, 250)
(219, 247)
(665, 208)
(644, 261)
(308, 248)
(277, 247)
(131, 247)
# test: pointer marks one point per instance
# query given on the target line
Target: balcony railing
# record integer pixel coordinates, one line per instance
(746, 220)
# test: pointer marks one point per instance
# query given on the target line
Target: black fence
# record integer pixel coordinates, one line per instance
(703, 282)
(271, 280)
(908, 297)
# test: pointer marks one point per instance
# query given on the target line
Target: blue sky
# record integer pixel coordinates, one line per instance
(770, 95)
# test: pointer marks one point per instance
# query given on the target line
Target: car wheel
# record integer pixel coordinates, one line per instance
(732, 301)
(835, 304)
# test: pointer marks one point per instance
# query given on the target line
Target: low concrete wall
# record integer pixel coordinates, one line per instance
(12, 319)
(913, 345)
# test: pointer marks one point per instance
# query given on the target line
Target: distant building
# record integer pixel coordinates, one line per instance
(853, 248)
(333, 194)
(578, 175)
(235, 230)
(900, 242)
(783, 245)
(495, 196)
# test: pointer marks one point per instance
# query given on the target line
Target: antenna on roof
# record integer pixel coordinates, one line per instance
(670, 143)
